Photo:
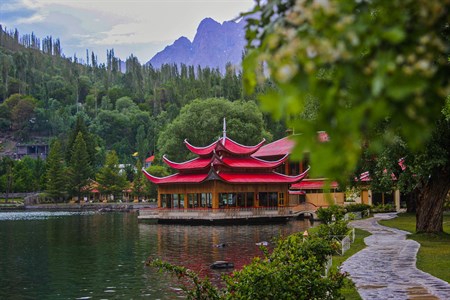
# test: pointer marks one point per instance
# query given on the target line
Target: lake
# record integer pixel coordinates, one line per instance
(73, 255)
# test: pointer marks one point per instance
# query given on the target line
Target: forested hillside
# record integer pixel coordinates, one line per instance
(45, 95)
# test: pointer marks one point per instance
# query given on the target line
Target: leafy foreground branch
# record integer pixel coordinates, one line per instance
(294, 270)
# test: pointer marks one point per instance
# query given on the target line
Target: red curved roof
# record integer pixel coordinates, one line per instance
(252, 162)
(313, 184)
(193, 164)
(224, 144)
(269, 177)
(272, 177)
(232, 162)
(277, 148)
(201, 150)
(176, 178)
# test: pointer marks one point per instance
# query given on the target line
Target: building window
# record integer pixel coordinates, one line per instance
(192, 198)
(294, 169)
(175, 200)
(227, 200)
(281, 199)
(240, 200)
(166, 200)
(206, 200)
(250, 200)
(268, 199)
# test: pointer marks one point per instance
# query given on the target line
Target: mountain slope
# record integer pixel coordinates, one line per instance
(214, 45)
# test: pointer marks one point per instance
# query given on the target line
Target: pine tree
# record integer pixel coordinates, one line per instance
(142, 144)
(80, 126)
(55, 174)
(111, 181)
(80, 169)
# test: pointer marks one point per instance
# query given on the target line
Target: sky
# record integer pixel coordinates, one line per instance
(138, 27)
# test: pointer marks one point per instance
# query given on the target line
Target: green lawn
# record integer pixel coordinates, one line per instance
(434, 252)
(11, 201)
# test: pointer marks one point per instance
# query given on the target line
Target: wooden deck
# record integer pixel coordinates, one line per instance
(221, 216)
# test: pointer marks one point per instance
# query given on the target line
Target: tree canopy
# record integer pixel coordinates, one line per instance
(377, 69)
(201, 123)
(373, 75)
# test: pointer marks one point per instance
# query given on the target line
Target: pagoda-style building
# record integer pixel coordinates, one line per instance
(224, 175)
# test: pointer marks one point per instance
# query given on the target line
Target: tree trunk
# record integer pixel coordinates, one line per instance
(430, 202)
(411, 201)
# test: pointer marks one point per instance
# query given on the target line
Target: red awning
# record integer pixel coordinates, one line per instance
(314, 184)
(297, 192)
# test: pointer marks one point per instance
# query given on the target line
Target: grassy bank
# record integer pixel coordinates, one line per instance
(349, 291)
(434, 252)
(11, 201)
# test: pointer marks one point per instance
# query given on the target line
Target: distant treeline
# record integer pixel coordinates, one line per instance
(42, 92)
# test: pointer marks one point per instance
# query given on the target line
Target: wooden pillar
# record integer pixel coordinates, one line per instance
(215, 195)
(397, 200)
(159, 199)
(286, 197)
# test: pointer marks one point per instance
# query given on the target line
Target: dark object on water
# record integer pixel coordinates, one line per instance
(221, 264)
(220, 245)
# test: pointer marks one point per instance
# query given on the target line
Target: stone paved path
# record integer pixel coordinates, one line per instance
(386, 268)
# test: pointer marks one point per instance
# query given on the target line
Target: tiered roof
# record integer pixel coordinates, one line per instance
(228, 161)
(224, 144)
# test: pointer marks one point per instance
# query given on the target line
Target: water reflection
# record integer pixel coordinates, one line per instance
(194, 246)
(91, 255)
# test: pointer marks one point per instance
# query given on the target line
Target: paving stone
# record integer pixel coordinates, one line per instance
(386, 268)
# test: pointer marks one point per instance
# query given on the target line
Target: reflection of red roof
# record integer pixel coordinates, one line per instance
(280, 147)
(312, 184)
(150, 159)
(224, 144)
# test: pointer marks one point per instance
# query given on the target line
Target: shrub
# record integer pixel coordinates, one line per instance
(337, 229)
(326, 214)
(294, 270)
(383, 208)
(357, 207)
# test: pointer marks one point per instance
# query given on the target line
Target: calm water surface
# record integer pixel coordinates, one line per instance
(62, 255)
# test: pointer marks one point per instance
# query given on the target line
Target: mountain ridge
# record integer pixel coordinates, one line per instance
(214, 45)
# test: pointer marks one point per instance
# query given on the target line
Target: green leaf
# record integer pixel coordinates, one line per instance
(394, 35)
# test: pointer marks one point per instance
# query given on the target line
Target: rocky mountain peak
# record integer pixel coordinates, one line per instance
(214, 45)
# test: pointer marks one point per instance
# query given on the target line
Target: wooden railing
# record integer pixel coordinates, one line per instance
(226, 213)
